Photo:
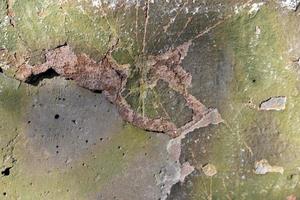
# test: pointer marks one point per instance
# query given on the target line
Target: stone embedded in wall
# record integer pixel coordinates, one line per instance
(209, 169)
(274, 103)
(263, 167)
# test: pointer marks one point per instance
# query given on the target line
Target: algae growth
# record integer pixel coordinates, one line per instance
(261, 70)
(260, 49)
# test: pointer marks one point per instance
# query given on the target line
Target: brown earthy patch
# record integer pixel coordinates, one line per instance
(111, 78)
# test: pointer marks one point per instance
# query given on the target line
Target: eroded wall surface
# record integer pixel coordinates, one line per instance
(61, 141)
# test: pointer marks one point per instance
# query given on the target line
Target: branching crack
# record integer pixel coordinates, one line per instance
(172, 20)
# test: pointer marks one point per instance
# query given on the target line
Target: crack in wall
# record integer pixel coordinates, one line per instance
(110, 77)
(10, 13)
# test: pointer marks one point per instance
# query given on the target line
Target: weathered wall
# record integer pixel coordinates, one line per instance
(60, 141)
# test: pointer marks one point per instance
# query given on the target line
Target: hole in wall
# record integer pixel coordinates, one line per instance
(36, 79)
(6, 171)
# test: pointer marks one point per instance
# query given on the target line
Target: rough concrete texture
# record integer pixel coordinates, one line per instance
(69, 133)
(61, 141)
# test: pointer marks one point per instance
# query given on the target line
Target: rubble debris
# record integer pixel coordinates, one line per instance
(274, 103)
(290, 4)
(263, 167)
(110, 77)
(209, 169)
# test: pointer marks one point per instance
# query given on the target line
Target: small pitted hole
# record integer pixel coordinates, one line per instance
(57, 146)
(98, 91)
(101, 139)
(123, 154)
(57, 152)
(74, 121)
(6, 171)
(4, 193)
(119, 147)
(86, 141)
(28, 122)
(1, 70)
(254, 80)
(56, 116)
